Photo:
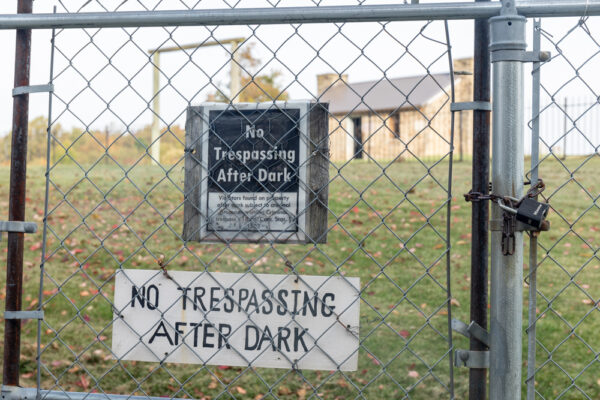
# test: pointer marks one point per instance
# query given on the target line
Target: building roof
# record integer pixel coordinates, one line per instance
(387, 94)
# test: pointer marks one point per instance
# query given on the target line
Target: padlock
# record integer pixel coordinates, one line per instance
(532, 212)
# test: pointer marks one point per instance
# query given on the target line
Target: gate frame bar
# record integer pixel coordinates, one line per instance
(297, 15)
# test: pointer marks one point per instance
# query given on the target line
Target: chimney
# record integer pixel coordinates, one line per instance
(325, 81)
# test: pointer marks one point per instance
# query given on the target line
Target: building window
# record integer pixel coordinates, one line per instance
(395, 125)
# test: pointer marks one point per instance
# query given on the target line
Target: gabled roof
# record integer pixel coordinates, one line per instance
(387, 94)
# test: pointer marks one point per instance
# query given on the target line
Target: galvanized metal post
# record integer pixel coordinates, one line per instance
(155, 152)
(507, 48)
(480, 209)
(16, 207)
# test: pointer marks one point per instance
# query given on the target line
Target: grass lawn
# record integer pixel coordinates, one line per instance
(387, 227)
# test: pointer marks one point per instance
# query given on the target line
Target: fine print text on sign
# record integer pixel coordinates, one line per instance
(262, 320)
(256, 172)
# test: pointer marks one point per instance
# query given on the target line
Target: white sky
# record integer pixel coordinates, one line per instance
(189, 79)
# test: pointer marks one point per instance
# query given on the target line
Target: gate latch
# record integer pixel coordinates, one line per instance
(17, 227)
(472, 359)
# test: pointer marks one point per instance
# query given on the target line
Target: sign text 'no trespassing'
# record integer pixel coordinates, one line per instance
(261, 320)
(256, 173)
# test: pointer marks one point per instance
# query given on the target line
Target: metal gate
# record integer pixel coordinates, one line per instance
(115, 195)
(120, 170)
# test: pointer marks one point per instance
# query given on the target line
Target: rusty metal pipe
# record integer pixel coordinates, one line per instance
(16, 208)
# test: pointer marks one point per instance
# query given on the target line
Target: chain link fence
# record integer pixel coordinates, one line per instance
(564, 282)
(148, 291)
(116, 194)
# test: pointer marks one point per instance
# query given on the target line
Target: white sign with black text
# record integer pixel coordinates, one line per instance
(237, 319)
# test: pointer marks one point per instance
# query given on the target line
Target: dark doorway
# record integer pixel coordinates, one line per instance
(358, 137)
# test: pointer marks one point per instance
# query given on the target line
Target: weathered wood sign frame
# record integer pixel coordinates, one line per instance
(257, 172)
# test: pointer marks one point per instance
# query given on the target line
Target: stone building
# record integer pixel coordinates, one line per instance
(399, 118)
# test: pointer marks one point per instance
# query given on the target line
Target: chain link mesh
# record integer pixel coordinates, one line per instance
(114, 205)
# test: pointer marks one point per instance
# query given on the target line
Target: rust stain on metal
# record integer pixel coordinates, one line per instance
(16, 212)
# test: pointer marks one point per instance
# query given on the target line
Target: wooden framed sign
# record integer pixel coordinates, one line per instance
(237, 319)
(257, 172)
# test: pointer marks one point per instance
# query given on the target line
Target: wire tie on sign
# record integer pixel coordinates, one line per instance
(288, 264)
(160, 261)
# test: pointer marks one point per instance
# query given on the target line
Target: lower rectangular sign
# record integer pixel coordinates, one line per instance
(237, 319)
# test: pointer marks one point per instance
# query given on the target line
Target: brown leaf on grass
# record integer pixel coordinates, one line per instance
(301, 393)
(404, 333)
(284, 390)
(375, 361)
(33, 303)
(240, 390)
(213, 384)
(84, 382)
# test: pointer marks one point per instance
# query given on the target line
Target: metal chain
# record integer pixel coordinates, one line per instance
(534, 191)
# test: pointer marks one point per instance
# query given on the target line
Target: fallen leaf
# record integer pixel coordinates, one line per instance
(413, 374)
(84, 382)
(240, 390)
(284, 390)
(375, 361)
